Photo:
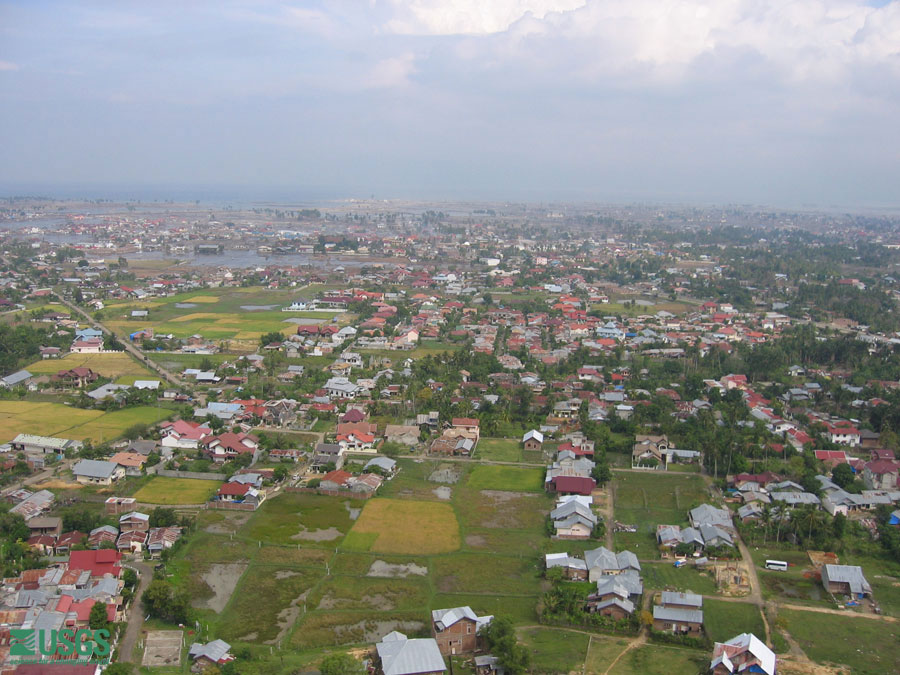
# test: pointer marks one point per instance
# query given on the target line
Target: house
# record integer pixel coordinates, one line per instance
(649, 448)
(16, 379)
(103, 535)
(229, 445)
(132, 462)
(215, 653)
(572, 568)
(134, 522)
(678, 621)
(43, 445)
(744, 653)
(386, 465)
(675, 600)
(710, 515)
(880, 474)
(626, 588)
(400, 655)
(34, 503)
(335, 480)
(341, 388)
(845, 580)
(602, 562)
(467, 424)
(132, 542)
(573, 519)
(97, 472)
(98, 563)
(76, 377)
(402, 434)
(183, 434)
(87, 346)
(327, 455)
(161, 538)
(456, 630)
(51, 525)
(241, 493)
(533, 441)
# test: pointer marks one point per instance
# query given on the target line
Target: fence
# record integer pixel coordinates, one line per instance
(230, 506)
(168, 473)
(332, 493)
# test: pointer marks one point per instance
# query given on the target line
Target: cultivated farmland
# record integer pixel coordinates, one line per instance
(405, 526)
(163, 490)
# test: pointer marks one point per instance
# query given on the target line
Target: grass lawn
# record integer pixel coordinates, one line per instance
(503, 511)
(301, 519)
(162, 490)
(406, 527)
(484, 573)
(660, 660)
(113, 424)
(602, 651)
(554, 650)
(665, 577)
(112, 366)
(519, 609)
(248, 619)
(411, 482)
(723, 620)
(515, 479)
(499, 449)
(868, 646)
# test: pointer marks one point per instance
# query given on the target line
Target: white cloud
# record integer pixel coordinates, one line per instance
(469, 17)
(391, 72)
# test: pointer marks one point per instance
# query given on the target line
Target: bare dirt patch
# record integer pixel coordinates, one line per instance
(354, 512)
(55, 484)
(289, 615)
(285, 574)
(380, 568)
(443, 492)
(330, 534)
(230, 524)
(505, 509)
(221, 579)
(162, 648)
(475, 540)
(446, 473)
(372, 631)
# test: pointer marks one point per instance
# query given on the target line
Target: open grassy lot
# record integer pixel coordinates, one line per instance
(304, 519)
(660, 660)
(113, 424)
(485, 573)
(234, 314)
(515, 479)
(502, 510)
(506, 541)
(411, 482)
(404, 526)
(113, 366)
(602, 651)
(723, 620)
(868, 646)
(162, 490)
(57, 419)
(499, 449)
(554, 650)
(650, 499)
(266, 603)
(666, 577)
(370, 593)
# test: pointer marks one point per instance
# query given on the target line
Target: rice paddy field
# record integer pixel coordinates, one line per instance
(120, 367)
(57, 419)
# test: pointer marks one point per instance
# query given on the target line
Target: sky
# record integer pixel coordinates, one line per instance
(780, 102)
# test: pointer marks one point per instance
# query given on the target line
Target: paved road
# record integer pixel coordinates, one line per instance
(136, 621)
(142, 358)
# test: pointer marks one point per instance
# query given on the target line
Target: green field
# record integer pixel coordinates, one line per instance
(723, 620)
(404, 526)
(499, 450)
(868, 646)
(217, 314)
(301, 519)
(163, 490)
(660, 660)
(511, 478)
(555, 651)
(57, 419)
(666, 577)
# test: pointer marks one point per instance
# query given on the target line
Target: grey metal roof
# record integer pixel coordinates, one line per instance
(402, 656)
(847, 574)
(214, 650)
(444, 618)
(677, 615)
(16, 378)
(385, 463)
(94, 468)
(673, 598)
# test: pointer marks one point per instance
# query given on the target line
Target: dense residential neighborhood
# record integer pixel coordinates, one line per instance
(413, 441)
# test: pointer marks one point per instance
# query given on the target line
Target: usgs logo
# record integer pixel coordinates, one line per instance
(83, 643)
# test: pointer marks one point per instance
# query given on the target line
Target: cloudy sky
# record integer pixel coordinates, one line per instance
(767, 101)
